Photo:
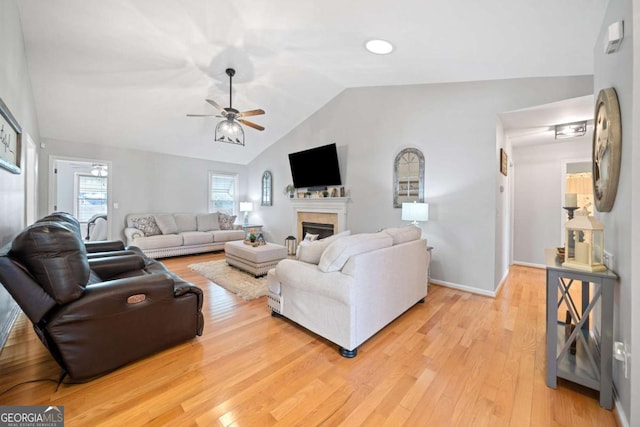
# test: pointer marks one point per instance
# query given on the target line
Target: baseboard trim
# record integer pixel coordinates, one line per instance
(7, 324)
(528, 264)
(619, 412)
(469, 289)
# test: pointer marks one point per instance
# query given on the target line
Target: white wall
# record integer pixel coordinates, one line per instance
(538, 196)
(503, 207)
(635, 206)
(616, 70)
(455, 127)
(142, 181)
(15, 91)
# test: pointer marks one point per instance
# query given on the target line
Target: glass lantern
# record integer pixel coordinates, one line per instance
(584, 244)
(291, 244)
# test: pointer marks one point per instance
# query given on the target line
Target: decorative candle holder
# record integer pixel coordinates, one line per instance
(584, 244)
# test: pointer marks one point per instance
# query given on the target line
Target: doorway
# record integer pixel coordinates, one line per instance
(30, 181)
(82, 187)
(576, 178)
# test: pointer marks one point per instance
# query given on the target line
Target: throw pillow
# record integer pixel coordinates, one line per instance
(208, 222)
(404, 234)
(311, 237)
(147, 225)
(339, 252)
(226, 221)
(167, 223)
(311, 251)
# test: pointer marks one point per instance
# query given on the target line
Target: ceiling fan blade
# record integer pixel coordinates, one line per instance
(215, 104)
(250, 124)
(251, 113)
(203, 115)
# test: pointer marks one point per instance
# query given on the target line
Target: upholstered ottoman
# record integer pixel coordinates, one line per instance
(255, 260)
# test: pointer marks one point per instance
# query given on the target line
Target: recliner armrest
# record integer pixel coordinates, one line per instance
(109, 267)
(104, 246)
(128, 251)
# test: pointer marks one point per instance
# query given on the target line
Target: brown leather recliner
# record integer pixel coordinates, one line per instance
(95, 315)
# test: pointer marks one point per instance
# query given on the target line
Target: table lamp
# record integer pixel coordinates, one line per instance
(246, 207)
(415, 212)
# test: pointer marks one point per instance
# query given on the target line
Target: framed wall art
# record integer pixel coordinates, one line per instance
(408, 177)
(10, 140)
(267, 188)
(504, 161)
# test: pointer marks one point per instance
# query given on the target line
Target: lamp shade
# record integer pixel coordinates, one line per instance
(246, 206)
(415, 212)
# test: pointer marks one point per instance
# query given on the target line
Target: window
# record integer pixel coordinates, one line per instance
(90, 196)
(222, 193)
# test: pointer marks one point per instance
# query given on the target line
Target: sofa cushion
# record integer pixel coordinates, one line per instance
(208, 222)
(186, 222)
(56, 257)
(159, 241)
(404, 234)
(311, 251)
(196, 238)
(227, 235)
(147, 225)
(226, 221)
(167, 223)
(339, 251)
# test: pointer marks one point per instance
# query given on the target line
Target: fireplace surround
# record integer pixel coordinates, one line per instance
(328, 210)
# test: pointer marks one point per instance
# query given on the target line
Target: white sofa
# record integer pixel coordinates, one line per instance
(351, 286)
(166, 234)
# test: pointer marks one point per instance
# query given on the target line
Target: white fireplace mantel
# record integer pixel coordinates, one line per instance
(335, 205)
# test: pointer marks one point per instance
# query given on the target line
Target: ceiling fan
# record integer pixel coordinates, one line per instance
(229, 130)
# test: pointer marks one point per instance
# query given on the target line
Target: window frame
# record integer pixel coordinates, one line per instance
(236, 201)
(76, 195)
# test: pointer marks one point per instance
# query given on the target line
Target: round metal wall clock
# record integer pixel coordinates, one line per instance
(607, 144)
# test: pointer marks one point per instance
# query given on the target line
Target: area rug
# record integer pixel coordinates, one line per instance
(245, 285)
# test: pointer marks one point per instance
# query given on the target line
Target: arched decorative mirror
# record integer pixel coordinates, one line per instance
(267, 188)
(408, 177)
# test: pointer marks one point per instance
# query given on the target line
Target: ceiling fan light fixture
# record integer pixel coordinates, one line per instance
(379, 47)
(99, 170)
(229, 131)
(571, 130)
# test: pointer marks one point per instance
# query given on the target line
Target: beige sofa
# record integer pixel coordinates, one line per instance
(166, 234)
(348, 288)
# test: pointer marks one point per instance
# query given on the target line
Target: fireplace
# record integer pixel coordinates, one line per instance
(321, 229)
(330, 211)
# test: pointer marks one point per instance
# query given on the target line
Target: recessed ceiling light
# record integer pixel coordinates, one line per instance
(380, 47)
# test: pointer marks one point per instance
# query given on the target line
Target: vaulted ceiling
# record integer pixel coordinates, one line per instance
(125, 73)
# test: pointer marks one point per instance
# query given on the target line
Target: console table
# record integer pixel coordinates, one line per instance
(257, 227)
(591, 365)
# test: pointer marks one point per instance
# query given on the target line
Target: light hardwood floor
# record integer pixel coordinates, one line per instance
(458, 359)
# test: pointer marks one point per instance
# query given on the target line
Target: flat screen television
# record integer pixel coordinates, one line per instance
(316, 167)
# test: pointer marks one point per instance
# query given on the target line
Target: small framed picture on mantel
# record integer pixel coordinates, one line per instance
(504, 161)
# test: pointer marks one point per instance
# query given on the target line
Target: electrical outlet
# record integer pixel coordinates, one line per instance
(608, 260)
(620, 353)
